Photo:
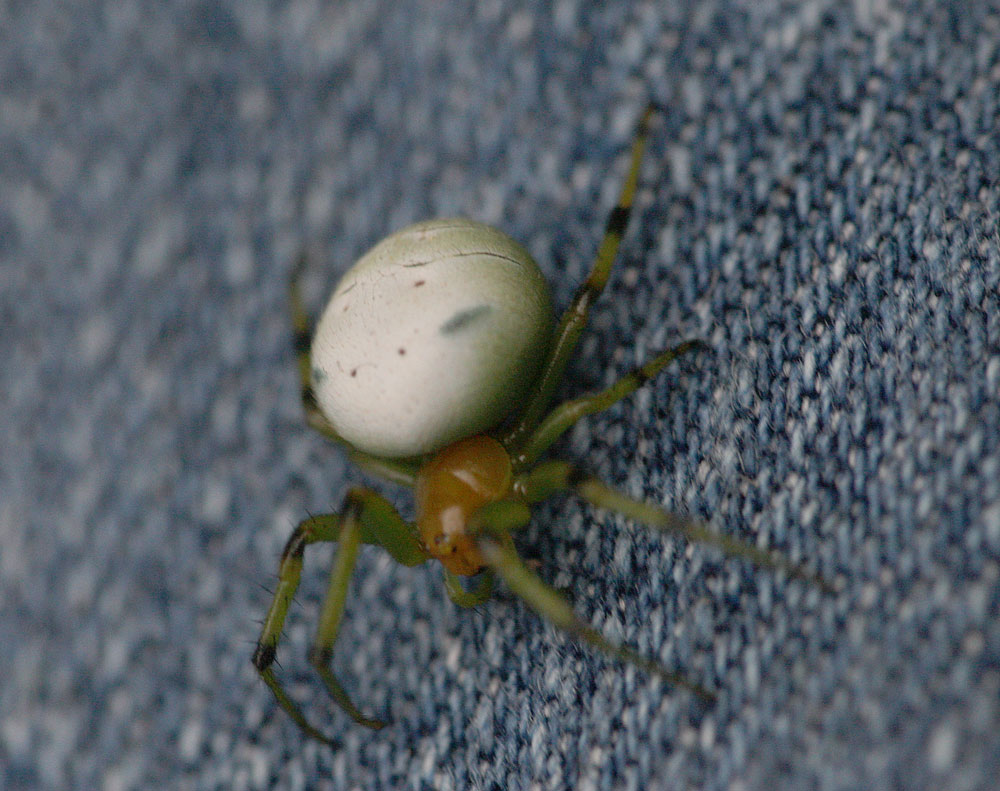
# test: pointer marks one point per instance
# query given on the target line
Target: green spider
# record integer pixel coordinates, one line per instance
(459, 297)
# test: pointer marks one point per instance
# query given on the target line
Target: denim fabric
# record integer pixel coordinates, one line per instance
(819, 203)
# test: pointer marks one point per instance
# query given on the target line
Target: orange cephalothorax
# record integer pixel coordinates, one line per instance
(453, 485)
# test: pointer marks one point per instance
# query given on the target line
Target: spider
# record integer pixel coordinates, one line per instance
(434, 364)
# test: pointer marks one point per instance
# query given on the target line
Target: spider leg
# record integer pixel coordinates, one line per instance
(333, 611)
(573, 321)
(498, 551)
(551, 477)
(367, 518)
(401, 471)
(468, 598)
(569, 412)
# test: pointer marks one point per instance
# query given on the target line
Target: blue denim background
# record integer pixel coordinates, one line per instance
(820, 203)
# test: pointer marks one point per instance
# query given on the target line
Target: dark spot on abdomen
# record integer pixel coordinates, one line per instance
(464, 318)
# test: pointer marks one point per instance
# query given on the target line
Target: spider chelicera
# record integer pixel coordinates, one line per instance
(434, 364)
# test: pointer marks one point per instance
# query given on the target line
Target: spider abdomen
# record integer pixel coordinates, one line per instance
(433, 335)
(452, 486)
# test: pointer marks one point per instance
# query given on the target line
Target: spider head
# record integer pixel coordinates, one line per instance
(457, 481)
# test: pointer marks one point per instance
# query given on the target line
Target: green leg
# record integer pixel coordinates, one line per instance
(401, 471)
(573, 321)
(333, 612)
(499, 553)
(468, 598)
(315, 529)
(302, 344)
(569, 412)
(554, 476)
(366, 518)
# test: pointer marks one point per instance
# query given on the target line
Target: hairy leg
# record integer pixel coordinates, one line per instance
(551, 477)
(574, 320)
(366, 517)
(569, 412)
(493, 525)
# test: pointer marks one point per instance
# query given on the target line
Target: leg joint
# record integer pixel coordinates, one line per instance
(320, 656)
(617, 221)
(575, 477)
(263, 656)
(296, 545)
(354, 503)
(309, 402)
(301, 340)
